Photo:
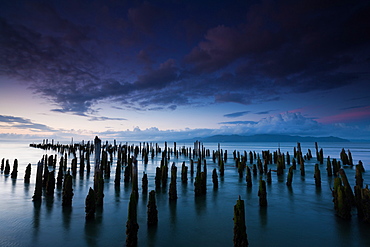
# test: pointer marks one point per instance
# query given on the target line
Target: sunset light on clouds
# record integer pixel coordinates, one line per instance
(171, 70)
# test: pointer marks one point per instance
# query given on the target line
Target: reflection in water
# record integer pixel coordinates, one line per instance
(67, 212)
(344, 229)
(152, 235)
(92, 230)
(263, 216)
(200, 204)
(173, 205)
(26, 189)
(36, 219)
(49, 204)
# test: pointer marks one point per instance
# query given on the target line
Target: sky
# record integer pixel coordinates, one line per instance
(173, 70)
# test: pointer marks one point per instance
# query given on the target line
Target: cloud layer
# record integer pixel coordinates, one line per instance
(137, 55)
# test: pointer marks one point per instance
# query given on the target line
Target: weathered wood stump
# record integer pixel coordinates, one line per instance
(132, 227)
(67, 191)
(248, 177)
(290, 177)
(262, 194)
(90, 205)
(173, 188)
(38, 188)
(152, 209)
(27, 173)
(215, 178)
(342, 204)
(317, 176)
(14, 173)
(240, 230)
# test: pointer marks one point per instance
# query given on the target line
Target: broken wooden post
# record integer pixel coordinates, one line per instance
(67, 191)
(117, 179)
(2, 165)
(135, 179)
(328, 167)
(90, 203)
(132, 227)
(342, 205)
(158, 177)
(184, 173)
(7, 168)
(248, 177)
(269, 179)
(303, 172)
(280, 166)
(240, 230)
(317, 176)
(347, 187)
(38, 188)
(152, 209)
(262, 194)
(215, 178)
(144, 183)
(358, 177)
(173, 188)
(50, 184)
(290, 177)
(15, 169)
(222, 168)
(27, 174)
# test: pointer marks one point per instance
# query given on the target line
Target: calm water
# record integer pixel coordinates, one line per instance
(299, 216)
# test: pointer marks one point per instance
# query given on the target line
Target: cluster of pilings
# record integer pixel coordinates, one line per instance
(247, 164)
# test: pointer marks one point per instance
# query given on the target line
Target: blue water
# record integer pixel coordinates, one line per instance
(299, 216)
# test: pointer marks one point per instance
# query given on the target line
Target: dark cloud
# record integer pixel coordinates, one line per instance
(239, 122)
(236, 114)
(23, 123)
(106, 118)
(264, 112)
(155, 56)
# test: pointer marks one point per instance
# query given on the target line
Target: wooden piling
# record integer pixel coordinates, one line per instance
(240, 230)
(152, 210)
(215, 178)
(144, 183)
(290, 177)
(317, 176)
(262, 193)
(38, 187)
(342, 205)
(90, 205)
(15, 169)
(132, 227)
(7, 168)
(67, 191)
(27, 173)
(173, 188)
(248, 177)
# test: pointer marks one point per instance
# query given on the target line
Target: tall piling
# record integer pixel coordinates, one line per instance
(240, 230)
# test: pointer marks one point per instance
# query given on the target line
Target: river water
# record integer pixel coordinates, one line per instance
(302, 215)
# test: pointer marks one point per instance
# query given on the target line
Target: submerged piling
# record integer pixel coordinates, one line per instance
(215, 178)
(317, 176)
(90, 205)
(132, 227)
(15, 169)
(67, 191)
(152, 209)
(240, 230)
(262, 194)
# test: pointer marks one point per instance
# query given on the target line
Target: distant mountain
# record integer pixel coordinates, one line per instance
(266, 138)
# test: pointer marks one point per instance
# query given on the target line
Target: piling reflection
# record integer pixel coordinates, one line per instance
(66, 216)
(200, 204)
(36, 219)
